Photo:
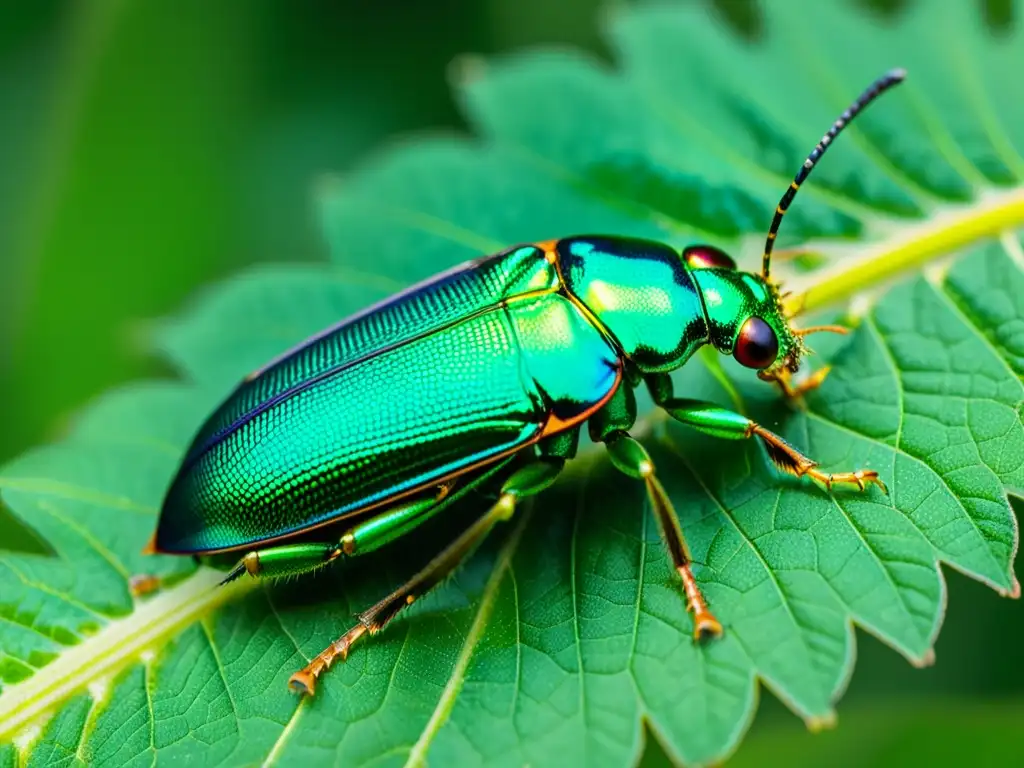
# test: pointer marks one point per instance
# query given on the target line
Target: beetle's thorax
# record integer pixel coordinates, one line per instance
(640, 293)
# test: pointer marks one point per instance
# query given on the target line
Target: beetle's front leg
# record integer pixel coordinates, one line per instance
(784, 380)
(721, 422)
(610, 425)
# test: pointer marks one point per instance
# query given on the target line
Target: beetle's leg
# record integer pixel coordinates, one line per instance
(295, 559)
(721, 422)
(630, 457)
(784, 380)
(610, 425)
(285, 560)
(526, 481)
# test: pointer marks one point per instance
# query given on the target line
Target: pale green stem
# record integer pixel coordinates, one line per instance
(912, 249)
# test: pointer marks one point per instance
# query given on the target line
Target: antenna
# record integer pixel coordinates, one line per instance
(876, 89)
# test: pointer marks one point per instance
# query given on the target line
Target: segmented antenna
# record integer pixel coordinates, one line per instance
(882, 84)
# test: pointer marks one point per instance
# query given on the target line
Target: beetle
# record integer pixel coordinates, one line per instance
(488, 371)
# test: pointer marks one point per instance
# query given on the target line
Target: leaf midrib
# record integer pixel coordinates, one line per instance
(910, 247)
(117, 645)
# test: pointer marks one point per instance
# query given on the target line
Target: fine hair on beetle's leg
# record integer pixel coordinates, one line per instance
(789, 459)
(528, 480)
(720, 422)
(631, 458)
(610, 426)
(377, 616)
(783, 379)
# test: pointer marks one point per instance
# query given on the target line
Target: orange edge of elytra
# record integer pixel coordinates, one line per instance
(151, 548)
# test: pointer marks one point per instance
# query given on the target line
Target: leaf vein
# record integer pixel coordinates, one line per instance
(65, 598)
(769, 571)
(72, 492)
(418, 753)
(87, 537)
(574, 589)
(941, 480)
(208, 634)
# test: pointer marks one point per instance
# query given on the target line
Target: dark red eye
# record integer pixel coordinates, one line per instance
(757, 346)
(704, 256)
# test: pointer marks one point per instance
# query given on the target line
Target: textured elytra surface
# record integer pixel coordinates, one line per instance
(358, 437)
(444, 299)
(568, 628)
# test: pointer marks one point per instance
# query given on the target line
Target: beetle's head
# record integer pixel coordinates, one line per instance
(746, 315)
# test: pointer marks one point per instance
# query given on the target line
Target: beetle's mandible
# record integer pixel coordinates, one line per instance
(487, 372)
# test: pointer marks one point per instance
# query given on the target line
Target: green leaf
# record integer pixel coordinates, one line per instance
(568, 630)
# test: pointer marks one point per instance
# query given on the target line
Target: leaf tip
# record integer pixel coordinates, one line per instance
(466, 69)
(325, 187)
(819, 723)
(1014, 591)
(927, 659)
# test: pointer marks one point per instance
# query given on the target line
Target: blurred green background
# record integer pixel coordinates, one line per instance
(148, 148)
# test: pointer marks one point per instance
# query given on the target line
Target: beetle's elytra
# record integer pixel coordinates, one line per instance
(486, 372)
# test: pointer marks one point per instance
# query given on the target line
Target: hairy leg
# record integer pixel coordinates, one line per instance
(721, 422)
(526, 481)
(610, 426)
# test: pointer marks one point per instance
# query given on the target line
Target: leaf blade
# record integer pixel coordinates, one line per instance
(566, 633)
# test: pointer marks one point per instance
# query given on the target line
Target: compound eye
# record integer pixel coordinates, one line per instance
(705, 256)
(757, 346)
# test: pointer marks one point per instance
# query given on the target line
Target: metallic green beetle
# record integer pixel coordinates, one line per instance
(488, 371)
